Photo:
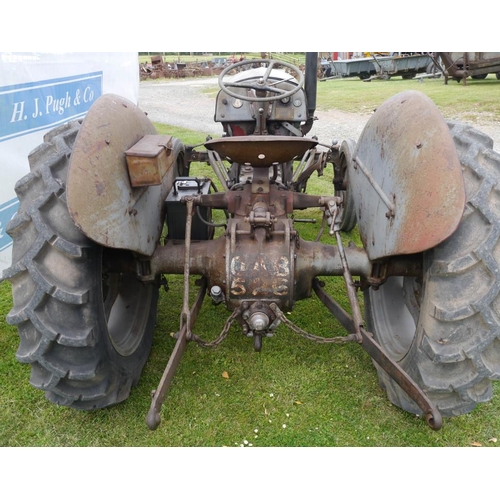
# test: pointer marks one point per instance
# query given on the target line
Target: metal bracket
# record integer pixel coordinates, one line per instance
(357, 163)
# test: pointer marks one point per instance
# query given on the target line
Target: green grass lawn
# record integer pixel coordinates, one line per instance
(478, 99)
(295, 393)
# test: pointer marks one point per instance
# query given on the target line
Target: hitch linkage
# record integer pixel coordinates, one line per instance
(353, 324)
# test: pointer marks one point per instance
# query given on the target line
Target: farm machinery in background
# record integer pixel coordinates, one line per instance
(460, 65)
(378, 66)
(455, 65)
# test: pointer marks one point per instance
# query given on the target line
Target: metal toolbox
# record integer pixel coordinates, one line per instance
(149, 160)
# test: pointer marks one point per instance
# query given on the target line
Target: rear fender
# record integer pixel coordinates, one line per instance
(101, 199)
(406, 178)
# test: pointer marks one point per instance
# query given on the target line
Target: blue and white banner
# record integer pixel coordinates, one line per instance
(7, 211)
(33, 106)
(39, 91)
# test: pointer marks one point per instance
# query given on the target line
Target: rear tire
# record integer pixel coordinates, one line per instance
(444, 330)
(86, 332)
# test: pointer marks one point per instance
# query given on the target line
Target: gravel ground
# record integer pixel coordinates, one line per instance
(182, 103)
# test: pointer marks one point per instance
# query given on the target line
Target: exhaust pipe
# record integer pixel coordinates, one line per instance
(311, 82)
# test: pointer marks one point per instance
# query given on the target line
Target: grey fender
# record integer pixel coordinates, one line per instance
(406, 179)
(100, 197)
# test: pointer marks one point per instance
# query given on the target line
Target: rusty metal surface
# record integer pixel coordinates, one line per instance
(406, 179)
(429, 410)
(257, 268)
(101, 200)
(153, 418)
(261, 151)
(149, 160)
(158, 68)
(273, 270)
(463, 64)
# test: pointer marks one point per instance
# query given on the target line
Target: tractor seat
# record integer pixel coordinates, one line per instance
(260, 151)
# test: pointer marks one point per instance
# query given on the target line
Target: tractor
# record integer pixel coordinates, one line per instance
(109, 208)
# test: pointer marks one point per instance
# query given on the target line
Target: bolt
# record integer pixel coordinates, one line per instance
(258, 321)
(216, 294)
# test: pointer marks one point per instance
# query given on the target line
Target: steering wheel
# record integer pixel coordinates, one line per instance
(262, 83)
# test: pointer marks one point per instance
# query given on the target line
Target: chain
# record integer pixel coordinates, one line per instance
(223, 334)
(284, 320)
(310, 336)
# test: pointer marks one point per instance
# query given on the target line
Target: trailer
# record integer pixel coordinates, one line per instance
(362, 67)
(406, 66)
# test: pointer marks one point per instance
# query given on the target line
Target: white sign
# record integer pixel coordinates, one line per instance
(39, 91)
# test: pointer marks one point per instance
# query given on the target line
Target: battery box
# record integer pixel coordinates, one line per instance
(176, 210)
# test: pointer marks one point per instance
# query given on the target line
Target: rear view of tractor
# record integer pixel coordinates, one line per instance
(110, 207)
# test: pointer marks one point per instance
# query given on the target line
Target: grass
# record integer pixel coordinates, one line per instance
(476, 100)
(295, 393)
(325, 395)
